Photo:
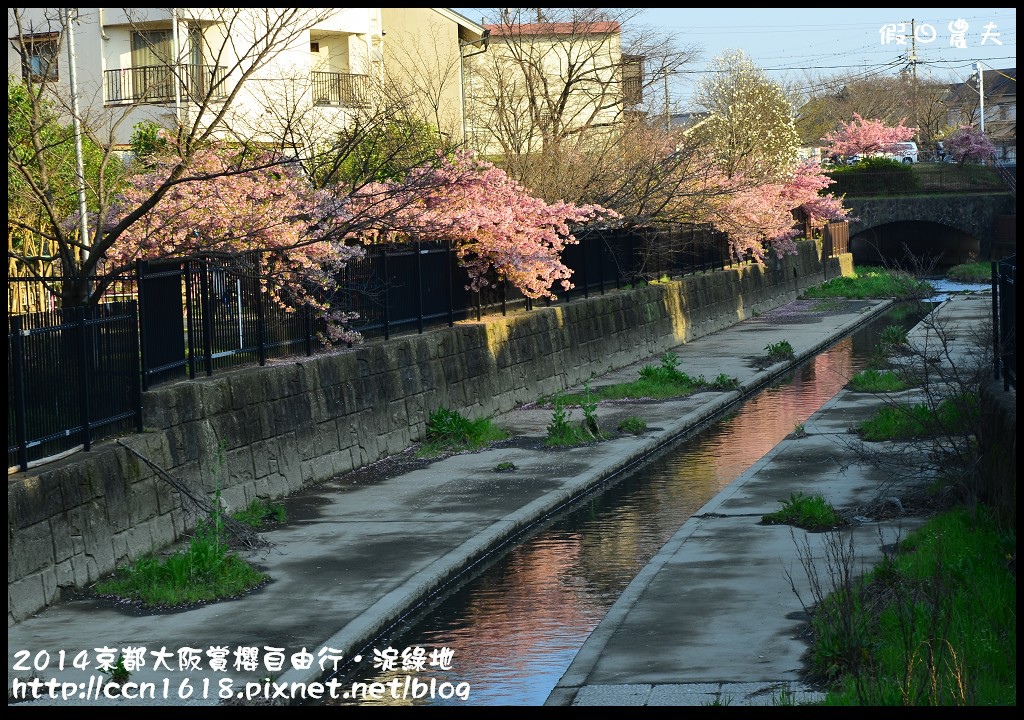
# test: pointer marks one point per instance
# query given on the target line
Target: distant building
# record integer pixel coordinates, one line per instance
(263, 69)
(546, 83)
(964, 106)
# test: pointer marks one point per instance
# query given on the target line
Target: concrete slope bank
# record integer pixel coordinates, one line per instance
(359, 554)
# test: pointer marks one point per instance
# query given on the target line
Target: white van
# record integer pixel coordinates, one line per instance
(905, 152)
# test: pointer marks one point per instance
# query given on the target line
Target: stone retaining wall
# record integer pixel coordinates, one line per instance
(266, 432)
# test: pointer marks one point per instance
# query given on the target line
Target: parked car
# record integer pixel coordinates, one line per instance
(905, 152)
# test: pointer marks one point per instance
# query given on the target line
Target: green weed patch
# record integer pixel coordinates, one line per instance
(261, 512)
(933, 624)
(876, 381)
(810, 512)
(872, 282)
(952, 416)
(205, 570)
(450, 431)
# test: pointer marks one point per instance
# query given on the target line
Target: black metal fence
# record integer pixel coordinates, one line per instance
(76, 376)
(202, 314)
(72, 379)
(917, 178)
(412, 287)
(1004, 311)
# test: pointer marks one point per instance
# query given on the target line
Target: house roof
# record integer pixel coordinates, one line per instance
(461, 20)
(998, 84)
(1001, 82)
(556, 28)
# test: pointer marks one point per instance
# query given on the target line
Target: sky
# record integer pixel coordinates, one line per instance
(789, 43)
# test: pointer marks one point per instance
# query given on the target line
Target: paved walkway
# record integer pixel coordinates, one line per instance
(712, 615)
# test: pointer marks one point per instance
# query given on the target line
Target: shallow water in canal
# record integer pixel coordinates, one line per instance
(515, 628)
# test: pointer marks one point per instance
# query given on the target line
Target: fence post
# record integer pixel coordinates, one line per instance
(1008, 320)
(204, 302)
(583, 272)
(18, 371)
(451, 292)
(83, 379)
(141, 331)
(189, 318)
(995, 320)
(387, 315)
(261, 324)
(419, 285)
(826, 249)
(308, 323)
(141, 341)
(137, 384)
(504, 292)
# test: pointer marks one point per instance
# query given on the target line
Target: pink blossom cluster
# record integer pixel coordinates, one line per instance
(491, 219)
(968, 144)
(863, 137)
(756, 214)
(220, 207)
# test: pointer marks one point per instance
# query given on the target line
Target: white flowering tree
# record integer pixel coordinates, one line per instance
(750, 126)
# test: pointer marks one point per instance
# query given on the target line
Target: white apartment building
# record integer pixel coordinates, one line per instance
(247, 73)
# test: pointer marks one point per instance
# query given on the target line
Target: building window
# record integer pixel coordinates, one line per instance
(152, 72)
(39, 57)
(152, 48)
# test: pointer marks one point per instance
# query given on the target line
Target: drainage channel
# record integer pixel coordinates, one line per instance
(506, 636)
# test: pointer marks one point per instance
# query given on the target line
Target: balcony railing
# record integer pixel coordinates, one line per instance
(155, 83)
(341, 89)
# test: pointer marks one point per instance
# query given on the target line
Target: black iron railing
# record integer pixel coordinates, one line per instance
(72, 379)
(156, 83)
(341, 89)
(1004, 311)
(202, 314)
(76, 376)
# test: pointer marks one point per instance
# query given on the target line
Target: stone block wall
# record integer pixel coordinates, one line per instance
(266, 432)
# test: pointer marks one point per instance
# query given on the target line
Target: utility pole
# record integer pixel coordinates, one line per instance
(981, 94)
(83, 221)
(177, 67)
(912, 63)
(912, 60)
(668, 116)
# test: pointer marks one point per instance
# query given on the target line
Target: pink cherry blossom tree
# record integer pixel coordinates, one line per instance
(969, 145)
(270, 212)
(805, 190)
(863, 137)
(492, 220)
(755, 216)
(758, 215)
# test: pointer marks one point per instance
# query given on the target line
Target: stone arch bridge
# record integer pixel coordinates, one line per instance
(946, 228)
